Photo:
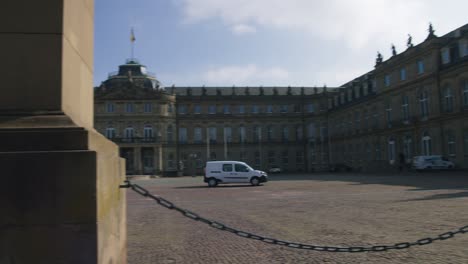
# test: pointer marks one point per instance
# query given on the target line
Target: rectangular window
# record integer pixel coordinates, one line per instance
(169, 108)
(148, 132)
(129, 107)
(212, 109)
(182, 109)
(109, 107)
(148, 107)
(387, 80)
(226, 109)
(420, 65)
(183, 135)
(257, 134)
(451, 145)
(242, 134)
(110, 132)
(285, 134)
(445, 53)
(241, 109)
(197, 109)
(389, 114)
(404, 108)
(197, 135)
(270, 133)
(284, 108)
(269, 109)
(255, 109)
(424, 104)
(402, 74)
(212, 134)
(228, 134)
(463, 46)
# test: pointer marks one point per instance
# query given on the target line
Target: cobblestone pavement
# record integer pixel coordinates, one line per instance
(321, 209)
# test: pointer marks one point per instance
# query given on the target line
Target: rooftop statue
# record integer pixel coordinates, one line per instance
(394, 53)
(409, 43)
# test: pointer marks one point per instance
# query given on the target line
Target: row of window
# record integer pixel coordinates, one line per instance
(211, 135)
(243, 109)
(345, 125)
(130, 107)
(214, 109)
(374, 151)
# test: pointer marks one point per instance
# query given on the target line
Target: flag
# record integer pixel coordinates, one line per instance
(132, 36)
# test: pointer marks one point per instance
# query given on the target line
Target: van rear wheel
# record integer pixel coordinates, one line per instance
(255, 181)
(212, 182)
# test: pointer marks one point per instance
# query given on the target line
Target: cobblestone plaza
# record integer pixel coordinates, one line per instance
(320, 209)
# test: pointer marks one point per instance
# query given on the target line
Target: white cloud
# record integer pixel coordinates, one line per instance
(241, 29)
(356, 22)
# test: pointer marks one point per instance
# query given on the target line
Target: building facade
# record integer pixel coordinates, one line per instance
(414, 103)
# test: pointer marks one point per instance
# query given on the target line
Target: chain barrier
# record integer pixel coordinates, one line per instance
(217, 225)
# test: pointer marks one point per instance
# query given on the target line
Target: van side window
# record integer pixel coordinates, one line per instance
(241, 168)
(227, 167)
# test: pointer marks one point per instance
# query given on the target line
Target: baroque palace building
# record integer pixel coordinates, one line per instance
(414, 103)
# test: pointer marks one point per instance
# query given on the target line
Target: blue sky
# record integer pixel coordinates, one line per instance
(262, 42)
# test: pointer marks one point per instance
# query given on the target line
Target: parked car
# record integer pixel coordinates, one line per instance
(431, 162)
(217, 172)
(274, 169)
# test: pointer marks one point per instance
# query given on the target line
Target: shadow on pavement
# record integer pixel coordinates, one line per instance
(438, 180)
(219, 186)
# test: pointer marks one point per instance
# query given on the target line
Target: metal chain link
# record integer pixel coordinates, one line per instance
(217, 225)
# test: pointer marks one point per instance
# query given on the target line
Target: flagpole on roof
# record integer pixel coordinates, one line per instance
(132, 40)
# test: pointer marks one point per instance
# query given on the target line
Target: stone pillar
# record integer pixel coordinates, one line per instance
(61, 202)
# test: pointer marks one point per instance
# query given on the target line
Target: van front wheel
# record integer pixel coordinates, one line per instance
(255, 181)
(212, 182)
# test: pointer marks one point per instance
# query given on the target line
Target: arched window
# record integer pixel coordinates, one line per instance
(448, 99)
(426, 144)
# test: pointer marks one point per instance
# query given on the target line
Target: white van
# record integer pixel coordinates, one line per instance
(232, 172)
(432, 162)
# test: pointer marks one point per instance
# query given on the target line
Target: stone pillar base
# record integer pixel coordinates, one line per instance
(60, 201)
